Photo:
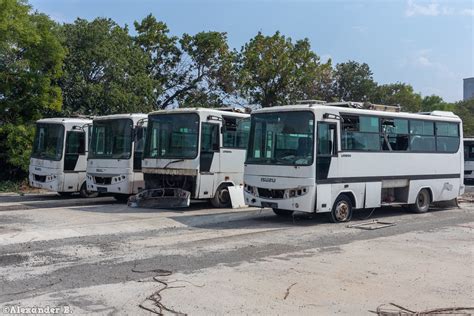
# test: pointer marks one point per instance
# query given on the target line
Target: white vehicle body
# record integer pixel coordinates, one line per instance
(468, 159)
(348, 154)
(58, 161)
(115, 155)
(198, 150)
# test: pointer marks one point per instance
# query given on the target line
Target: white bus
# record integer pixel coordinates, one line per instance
(333, 158)
(193, 153)
(468, 160)
(115, 155)
(58, 160)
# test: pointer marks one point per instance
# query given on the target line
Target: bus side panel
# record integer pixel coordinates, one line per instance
(323, 198)
(373, 194)
(71, 181)
(138, 182)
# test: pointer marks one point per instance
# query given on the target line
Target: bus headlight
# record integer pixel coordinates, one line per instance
(292, 193)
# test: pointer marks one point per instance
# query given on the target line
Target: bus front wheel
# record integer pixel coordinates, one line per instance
(422, 202)
(341, 210)
(87, 194)
(282, 213)
(221, 198)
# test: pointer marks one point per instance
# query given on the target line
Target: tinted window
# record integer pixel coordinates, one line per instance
(235, 132)
(360, 133)
(48, 143)
(172, 136)
(418, 127)
(75, 143)
(422, 136)
(394, 134)
(447, 129)
(281, 138)
(111, 139)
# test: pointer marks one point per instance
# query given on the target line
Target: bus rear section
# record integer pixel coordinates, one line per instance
(359, 159)
(115, 156)
(468, 160)
(58, 160)
(192, 153)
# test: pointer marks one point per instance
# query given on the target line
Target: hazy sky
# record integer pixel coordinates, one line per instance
(428, 44)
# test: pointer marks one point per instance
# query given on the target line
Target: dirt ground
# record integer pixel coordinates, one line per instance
(97, 256)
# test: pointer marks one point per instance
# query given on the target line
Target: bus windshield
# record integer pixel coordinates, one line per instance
(49, 139)
(284, 138)
(111, 139)
(469, 150)
(172, 136)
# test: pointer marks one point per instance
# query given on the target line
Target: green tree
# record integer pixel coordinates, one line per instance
(187, 71)
(31, 57)
(398, 94)
(353, 81)
(275, 71)
(105, 72)
(465, 110)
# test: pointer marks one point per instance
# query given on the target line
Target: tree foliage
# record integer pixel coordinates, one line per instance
(97, 67)
(272, 70)
(31, 58)
(353, 81)
(104, 71)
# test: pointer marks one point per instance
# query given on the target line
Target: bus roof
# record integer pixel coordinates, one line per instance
(211, 111)
(327, 108)
(121, 116)
(64, 120)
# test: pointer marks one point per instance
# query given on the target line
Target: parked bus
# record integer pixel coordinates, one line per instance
(468, 160)
(335, 158)
(193, 153)
(115, 158)
(58, 160)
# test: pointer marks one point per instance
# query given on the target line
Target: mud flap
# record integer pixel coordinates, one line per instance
(161, 198)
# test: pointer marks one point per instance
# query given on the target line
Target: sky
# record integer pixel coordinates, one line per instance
(428, 44)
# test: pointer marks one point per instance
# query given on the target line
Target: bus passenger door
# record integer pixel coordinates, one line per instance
(326, 161)
(208, 159)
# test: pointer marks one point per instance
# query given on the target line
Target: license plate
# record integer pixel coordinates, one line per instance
(270, 204)
(101, 190)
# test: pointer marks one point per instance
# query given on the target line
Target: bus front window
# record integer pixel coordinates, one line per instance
(111, 139)
(172, 136)
(284, 138)
(48, 142)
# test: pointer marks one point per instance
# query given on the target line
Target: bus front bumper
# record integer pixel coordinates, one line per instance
(302, 203)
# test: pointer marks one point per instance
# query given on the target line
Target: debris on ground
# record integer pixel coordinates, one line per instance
(393, 309)
(371, 225)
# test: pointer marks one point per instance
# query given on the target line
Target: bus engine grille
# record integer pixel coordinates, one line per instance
(271, 194)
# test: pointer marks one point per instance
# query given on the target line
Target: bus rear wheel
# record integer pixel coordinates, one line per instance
(341, 210)
(282, 213)
(422, 202)
(87, 194)
(221, 198)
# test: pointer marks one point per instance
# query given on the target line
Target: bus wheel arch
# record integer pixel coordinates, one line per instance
(422, 201)
(342, 208)
(221, 198)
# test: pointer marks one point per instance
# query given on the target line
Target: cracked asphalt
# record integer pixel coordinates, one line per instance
(82, 253)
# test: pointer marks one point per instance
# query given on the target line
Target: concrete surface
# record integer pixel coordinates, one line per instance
(81, 253)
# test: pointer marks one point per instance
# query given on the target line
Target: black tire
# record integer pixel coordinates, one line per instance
(221, 198)
(121, 197)
(87, 194)
(422, 202)
(341, 210)
(282, 213)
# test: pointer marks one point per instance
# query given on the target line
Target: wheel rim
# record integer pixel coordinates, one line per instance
(342, 211)
(224, 196)
(422, 200)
